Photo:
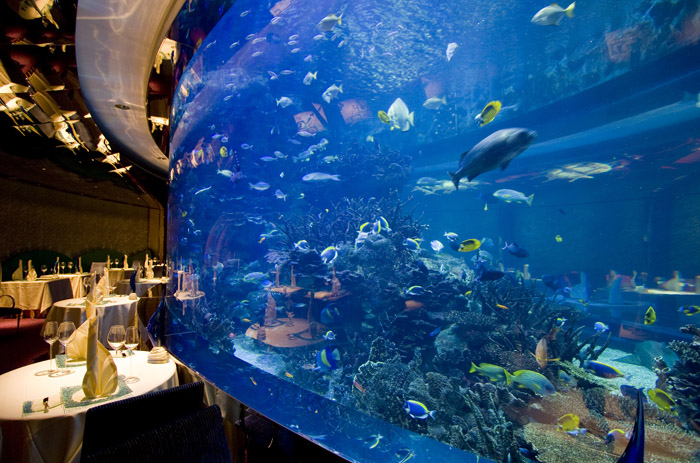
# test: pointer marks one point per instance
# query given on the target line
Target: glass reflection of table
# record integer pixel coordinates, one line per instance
(57, 435)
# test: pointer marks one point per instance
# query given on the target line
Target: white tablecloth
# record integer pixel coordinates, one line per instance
(118, 310)
(57, 436)
(143, 287)
(39, 294)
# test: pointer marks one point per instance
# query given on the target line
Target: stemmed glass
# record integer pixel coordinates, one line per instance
(49, 332)
(70, 266)
(116, 263)
(65, 331)
(132, 341)
(63, 267)
(44, 268)
(116, 338)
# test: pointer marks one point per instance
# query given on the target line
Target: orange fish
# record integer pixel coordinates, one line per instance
(288, 375)
(541, 353)
(501, 306)
(253, 381)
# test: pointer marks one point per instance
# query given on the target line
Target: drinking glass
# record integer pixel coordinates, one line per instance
(49, 332)
(132, 341)
(116, 338)
(44, 268)
(65, 330)
(70, 266)
(63, 267)
(116, 263)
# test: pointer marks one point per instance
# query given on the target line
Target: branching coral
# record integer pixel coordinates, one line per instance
(684, 378)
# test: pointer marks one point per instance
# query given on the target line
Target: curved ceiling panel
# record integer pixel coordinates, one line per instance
(116, 44)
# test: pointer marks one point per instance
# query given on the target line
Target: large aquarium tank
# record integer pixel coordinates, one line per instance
(463, 230)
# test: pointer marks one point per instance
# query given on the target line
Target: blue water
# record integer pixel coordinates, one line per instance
(273, 165)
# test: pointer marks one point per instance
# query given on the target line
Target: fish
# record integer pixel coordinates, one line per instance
(434, 102)
(494, 373)
(662, 399)
(302, 245)
(295, 50)
(373, 440)
(330, 315)
(436, 246)
(488, 113)
(502, 307)
(551, 15)
(568, 422)
(415, 291)
(329, 22)
(535, 382)
(450, 52)
(417, 410)
(577, 432)
(329, 336)
(558, 238)
(258, 40)
(280, 195)
(634, 452)
(320, 177)
(309, 77)
(260, 186)
(513, 196)
(288, 374)
(399, 117)
(617, 433)
(469, 245)
(279, 155)
(308, 58)
(687, 309)
(284, 101)
(601, 327)
(254, 276)
(451, 236)
(542, 353)
(287, 72)
(256, 54)
(332, 92)
(566, 379)
(435, 332)
(384, 117)
(329, 254)
(202, 190)
(305, 134)
(252, 380)
(496, 150)
(515, 250)
(328, 358)
(273, 75)
(223, 151)
(404, 454)
(411, 244)
(603, 370)
(267, 159)
(650, 316)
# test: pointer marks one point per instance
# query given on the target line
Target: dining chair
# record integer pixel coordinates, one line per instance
(10, 311)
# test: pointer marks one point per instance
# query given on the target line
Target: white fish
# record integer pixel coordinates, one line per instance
(293, 37)
(512, 196)
(245, 13)
(308, 58)
(329, 22)
(284, 101)
(258, 40)
(318, 36)
(295, 50)
(320, 177)
(225, 172)
(552, 14)
(275, 19)
(280, 195)
(332, 92)
(434, 102)
(256, 54)
(279, 154)
(399, 117)
(249, 36)
(287, 72)
(436, 245)
(260, 186)
(202, 190)
(273, 75)
(309, 77)
(305, 133)
(451, 48)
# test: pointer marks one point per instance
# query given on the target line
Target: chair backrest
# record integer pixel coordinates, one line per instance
(98, 268)
(3, 302)
(136, 415)
(193, 438)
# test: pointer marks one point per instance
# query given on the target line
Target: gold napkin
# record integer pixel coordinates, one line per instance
(31, 273)
(18, 274)
(101, 377)
(77, 344)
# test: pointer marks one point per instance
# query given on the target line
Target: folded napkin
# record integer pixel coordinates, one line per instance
(31, 273)
(101, 377)
(77, 344)
(18, 274)
(80, 265)
(158, 355)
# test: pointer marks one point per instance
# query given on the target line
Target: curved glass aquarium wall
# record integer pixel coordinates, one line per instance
(419, 230)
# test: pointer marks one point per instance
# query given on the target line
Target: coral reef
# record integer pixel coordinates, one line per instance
(683, 380)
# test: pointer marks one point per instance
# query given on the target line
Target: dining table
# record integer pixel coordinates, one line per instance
(114, 310)
(38, 295)
(42, 417)
(144, 287)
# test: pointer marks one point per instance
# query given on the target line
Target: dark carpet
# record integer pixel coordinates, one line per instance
(21, 347)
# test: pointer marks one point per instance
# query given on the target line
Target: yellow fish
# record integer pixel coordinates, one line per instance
(501, 306)
(223, 152)
(469, 245)
(384, 117)
(488, 113)
(468, 293)
(558, 239)
(247, 320)
(253, 381)
(568, 422)
(288, 375)
(662, 399)
(650, 316)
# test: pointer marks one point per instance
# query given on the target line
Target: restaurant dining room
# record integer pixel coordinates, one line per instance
(87, 285)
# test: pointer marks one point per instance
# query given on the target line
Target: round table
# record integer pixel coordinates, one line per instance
(56, 436)
(146, 287)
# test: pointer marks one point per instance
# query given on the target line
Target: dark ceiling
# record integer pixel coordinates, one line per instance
(48, 136)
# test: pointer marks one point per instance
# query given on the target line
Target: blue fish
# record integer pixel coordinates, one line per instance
(418, 410)
(328, 358)
(302, 245)
(330, 315)
(603, 370)
(329, 336)
(515, 250)
(601, 327)
(415, 291)
(411, 244)
(329, 255)
(435, 331)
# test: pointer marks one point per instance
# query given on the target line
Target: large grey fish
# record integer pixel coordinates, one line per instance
(498, 149)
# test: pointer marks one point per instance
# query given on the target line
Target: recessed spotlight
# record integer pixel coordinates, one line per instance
(121, 106)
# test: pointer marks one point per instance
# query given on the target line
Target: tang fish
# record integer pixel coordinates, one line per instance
(309, 77)
(616, 434)
(328, 358)
(418, 410)
(412, 244)
(302, 245)
(568, 422)
(329, 22)
(601, 327)
(650, 316)
(332, 92)
(494, 373)
(436, 246)
(469, 245)
(330, 315)
(512, 196)
(415, 291)
(329, 336)
(488, 113)
(603, 370)
(329, 255)
(689, 309)
(496, 150)
(399, 116)
(552, 14)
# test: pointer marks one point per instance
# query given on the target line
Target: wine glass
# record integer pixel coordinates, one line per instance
(70, 266)
(116, 338)
(132, 341)
(65, 331)
(49, 332)
(116, 263)
(44, 268)
(63, 267)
